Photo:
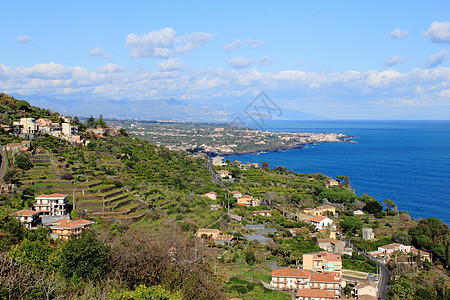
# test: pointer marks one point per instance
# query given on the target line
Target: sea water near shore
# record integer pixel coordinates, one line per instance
(406, 161)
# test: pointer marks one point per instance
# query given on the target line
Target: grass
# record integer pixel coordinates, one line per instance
(250, 290)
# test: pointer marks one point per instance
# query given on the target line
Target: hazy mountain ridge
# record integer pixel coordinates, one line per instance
(164, 109)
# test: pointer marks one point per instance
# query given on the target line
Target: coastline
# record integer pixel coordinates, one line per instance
(344, 139)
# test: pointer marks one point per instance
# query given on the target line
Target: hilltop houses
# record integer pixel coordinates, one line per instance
(288, 278)
(51, 205)
(322, 262)
(29, 218)
(320, 210)
(321, 222)
(236, 194)
(65, 228)
(217, 161)
(223, 173)
(211, 195)
(248, 201)
(308, 284)
(215, 235)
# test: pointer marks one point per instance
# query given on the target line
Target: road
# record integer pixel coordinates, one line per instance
(383, 284)
(4, 163)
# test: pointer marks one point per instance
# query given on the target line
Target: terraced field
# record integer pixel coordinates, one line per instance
(96, 195)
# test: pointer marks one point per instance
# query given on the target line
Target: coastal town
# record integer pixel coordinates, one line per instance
(222, 139)
(81, 190)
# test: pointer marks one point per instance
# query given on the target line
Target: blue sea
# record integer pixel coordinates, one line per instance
(405, 161)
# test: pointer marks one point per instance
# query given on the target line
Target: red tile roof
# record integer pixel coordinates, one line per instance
(317, 219)
(315, 293)
(54, 195)
(326, 277)
(69, 224)
(288, 272)
(26, 212)
(327, 256)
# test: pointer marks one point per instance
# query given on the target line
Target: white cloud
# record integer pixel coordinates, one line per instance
(110, 68)
(439, 32)
(317, 89)
(171, 64)
(237, 44)
(395, 60)
(97, 51)
(397, 33)
(435, 59)
(244, 62)
(164, 43)
(23, 39)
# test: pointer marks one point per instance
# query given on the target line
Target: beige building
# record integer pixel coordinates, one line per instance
(28, 125)
(213, 233)
(69, 130)
(365, 288)
(288, 278)
(66, 228)
(322, 262)
(320, 210)
(367, 234)
(331, 281)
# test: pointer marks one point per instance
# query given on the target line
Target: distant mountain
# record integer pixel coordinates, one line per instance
(164, 109)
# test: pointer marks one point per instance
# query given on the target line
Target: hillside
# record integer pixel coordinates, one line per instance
(150, 204)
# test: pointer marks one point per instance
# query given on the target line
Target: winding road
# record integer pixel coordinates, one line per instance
(383, 284)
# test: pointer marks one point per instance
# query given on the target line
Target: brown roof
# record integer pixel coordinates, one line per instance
(208, 230)
(315, 293)
(54, 195)
(288, 272)
(224, 237)
(235, 192)
(317, 219)
(326, 277)
(69, 224)
(391, 246)
(327, 256)
(26, 212)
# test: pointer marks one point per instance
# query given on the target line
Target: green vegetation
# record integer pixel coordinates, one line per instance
(147, 202)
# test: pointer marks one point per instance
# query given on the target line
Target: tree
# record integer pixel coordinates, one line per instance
(448, 256)
(84, 257)
(285, 249)
(390, 205)
(23, 162)
(250, 257)
(439, 252)
(265, 164)
(90, 121)
(9, 176)
(143, 292)
(423, 241)
(373, 207)
(344, 179)
(350, 225)
(402, 238)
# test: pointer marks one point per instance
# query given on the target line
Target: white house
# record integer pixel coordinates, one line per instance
(321, 222)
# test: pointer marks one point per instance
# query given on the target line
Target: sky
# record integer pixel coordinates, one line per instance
(336, 59)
